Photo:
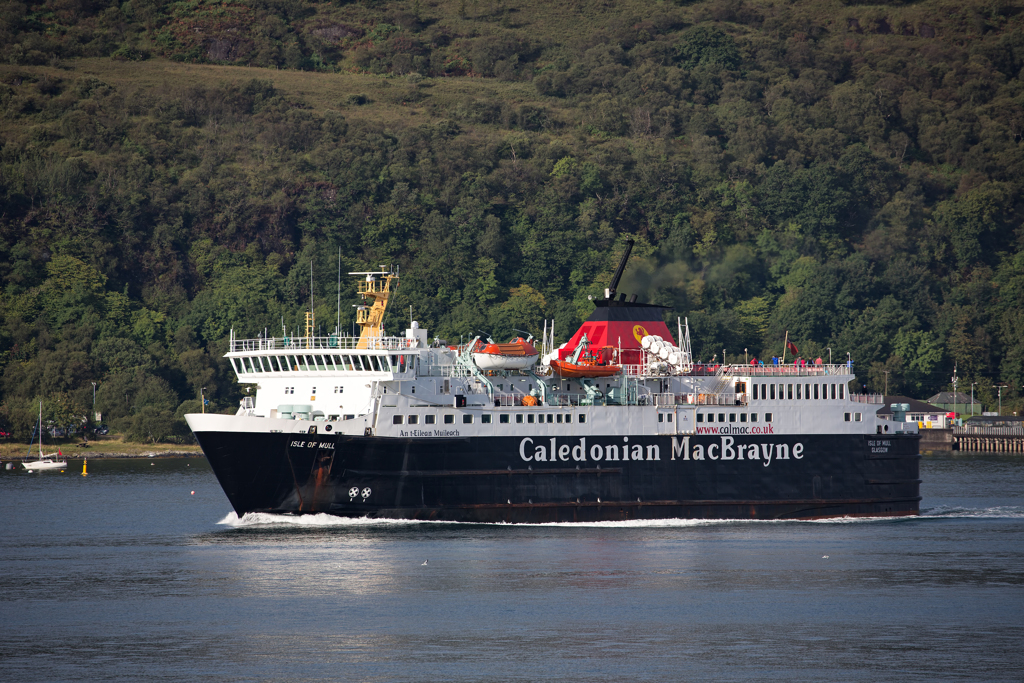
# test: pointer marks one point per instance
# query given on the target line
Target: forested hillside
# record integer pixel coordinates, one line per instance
(848, 173)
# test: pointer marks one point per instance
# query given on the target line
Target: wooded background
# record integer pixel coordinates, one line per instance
(848, 173)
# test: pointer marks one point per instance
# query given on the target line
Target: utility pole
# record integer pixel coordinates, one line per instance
(972, 398)
(1000, 387)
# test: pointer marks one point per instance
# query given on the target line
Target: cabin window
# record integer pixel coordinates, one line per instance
(529, 419)
(782, 391)
(485, 419)
(721, 417)
(842, 387)
(428, 419)
(503, 418)
(559, 419)
(732, 417)
(807, 391)
(798, 392)
(767, 417)
(449, 419)
(583, 418)
(467, 419)
(414, 388)
(397, 419)
(289, 390)
(773, 391)
(815, 392)
(789, 391)
(764, 392)
(314, 391)
(856, 417)
(519, 418)
(413, 419)
(846, 417)
(700, 416)
(753, 417)
(753, 394)
(833, 391)
(670, 417)
(743, 416)
(340, 390)
(661, 417)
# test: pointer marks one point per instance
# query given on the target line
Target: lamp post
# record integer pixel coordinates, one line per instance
(1000, 387)
(744, 355)
(829, 349)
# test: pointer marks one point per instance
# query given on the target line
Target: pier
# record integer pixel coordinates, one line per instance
(986, 439)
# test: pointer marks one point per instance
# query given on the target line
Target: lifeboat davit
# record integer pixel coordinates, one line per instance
(518, 354)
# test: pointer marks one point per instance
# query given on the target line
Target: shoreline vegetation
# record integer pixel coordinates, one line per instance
(106, 448)
(842, 175)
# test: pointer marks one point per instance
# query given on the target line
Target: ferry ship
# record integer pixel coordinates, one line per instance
(409, 428)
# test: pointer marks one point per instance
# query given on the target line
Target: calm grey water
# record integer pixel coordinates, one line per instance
(126, 575)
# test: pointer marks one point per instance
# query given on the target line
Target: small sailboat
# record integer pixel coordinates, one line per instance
(46, 461)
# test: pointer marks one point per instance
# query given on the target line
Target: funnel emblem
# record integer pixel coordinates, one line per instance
(639, 331)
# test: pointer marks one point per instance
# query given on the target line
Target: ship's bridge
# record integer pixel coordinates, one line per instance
(305, 356)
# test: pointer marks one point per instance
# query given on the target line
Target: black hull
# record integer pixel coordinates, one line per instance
(499, 479)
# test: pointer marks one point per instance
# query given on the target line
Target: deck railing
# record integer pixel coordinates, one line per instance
(332, 343)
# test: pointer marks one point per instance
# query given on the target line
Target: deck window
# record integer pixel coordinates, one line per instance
(743, 416)
(815, 392)
(754, 393)
(519, 418)
(670, 417)
(428, 419)
(856, 417)
(529, 419)
(485, 419)
(767, 417)
(449, 419)
(503, 418)
(583, 418)
(753, 417)
(559, 419)
(846, 417)
(397, 419)
(413, 419)
(798, 396)
(842, 392)
(700, 416)
(833, 391)
(732, 417)
(721, 417)
(467, 419)
(773, 391)
(807, 391)
(661, 417)
(789, 391)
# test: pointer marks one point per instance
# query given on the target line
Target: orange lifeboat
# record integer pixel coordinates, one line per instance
(589, 364)
(518, 354)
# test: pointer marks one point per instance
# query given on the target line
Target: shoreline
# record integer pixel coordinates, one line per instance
(102, 450)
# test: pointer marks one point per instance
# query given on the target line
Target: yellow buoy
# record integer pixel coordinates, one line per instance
(84, 473)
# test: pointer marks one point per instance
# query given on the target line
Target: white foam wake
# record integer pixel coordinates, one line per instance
(258, 519)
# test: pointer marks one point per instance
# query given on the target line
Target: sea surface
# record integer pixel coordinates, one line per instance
(140, 571)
